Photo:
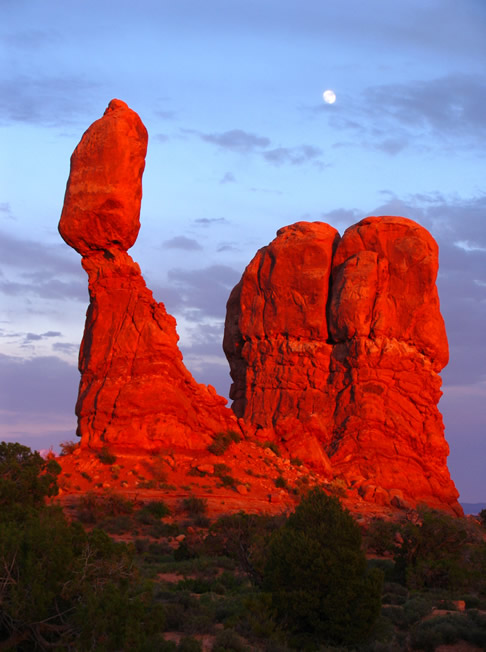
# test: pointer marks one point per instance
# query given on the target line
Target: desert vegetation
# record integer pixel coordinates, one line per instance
(125, 574)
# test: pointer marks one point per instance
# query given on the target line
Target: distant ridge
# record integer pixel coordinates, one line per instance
(472, 508)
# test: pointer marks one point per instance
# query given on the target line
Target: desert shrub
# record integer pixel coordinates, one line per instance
(228, 641)
(380, 536)
(281, 482)
(95, 507)
(68, 447)
(105, 456)
(222, 441)
(317, 575)
(157, 467)
(296, 461)
(194, 506)
(189, 644)
(273, 447)
(449, 629)
(440, 552)
(242, 537)
(117, 524)
(26, 480)
(157, 508)
(63, 587)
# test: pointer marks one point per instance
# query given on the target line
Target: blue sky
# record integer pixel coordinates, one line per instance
(240, 144)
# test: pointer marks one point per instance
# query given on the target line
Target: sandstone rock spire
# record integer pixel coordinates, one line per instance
(135, 393)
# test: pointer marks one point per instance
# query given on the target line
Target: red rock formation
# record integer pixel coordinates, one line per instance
(276, 340)
(135, 392)
(390, 344)
(348, 375)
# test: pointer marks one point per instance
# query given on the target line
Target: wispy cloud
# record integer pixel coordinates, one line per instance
(236, 140)
(209, 221)
(243, 142)
(47, 101)
(293, 155)
(181, 242)
(228, 178)
(44, 271)
(202, 292)
(447, 111)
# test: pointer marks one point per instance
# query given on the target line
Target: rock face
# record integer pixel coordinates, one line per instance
(135, 392)
(276, 340)
(336, 344)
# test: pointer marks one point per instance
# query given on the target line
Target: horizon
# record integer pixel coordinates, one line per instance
(241, 144)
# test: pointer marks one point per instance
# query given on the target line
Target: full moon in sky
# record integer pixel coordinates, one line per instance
(329, 97)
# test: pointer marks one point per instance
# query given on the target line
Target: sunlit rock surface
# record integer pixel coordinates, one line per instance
(135, 392)
(336, 345)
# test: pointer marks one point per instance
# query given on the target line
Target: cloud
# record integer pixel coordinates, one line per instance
(31, 39)
(209, 221)
(227, 246)
(66, 347)
(166, 115)
(244, 142)
(36, 337)
(47, 101)
(228, 178)
(293, 155)
(236, 140)
(6, 211)
(181, 242)
(391, 117)
(29, 268)
(202, 292)
(40, 387)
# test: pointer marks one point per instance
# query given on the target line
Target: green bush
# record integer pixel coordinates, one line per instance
(26, 480)
(440, 552)
(380, 536)
(194, 506)
(229, 641)
(189, 644)
(157, 508)
(105, 456)
(273, 447)
(222, 441)
(446, 630)
(68, 588)
(68, 447)
(317, 575)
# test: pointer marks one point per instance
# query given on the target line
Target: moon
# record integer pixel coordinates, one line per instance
(329, 97)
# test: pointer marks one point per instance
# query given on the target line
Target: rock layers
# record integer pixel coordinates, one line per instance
(336, 344)
(135, 392)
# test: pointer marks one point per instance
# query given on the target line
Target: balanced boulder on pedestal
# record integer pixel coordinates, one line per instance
(135, 393)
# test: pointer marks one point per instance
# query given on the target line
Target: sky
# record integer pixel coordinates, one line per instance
(241, 143)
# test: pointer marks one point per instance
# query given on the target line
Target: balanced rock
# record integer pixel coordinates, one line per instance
(335, 346)
(135, 393)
